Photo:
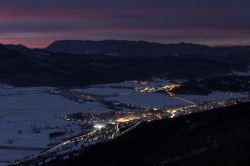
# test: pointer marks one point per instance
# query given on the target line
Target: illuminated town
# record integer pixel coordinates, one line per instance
(109, 125)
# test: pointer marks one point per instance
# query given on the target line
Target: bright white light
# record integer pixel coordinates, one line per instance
(99, 126)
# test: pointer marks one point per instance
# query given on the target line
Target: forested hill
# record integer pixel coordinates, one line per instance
(22, 66)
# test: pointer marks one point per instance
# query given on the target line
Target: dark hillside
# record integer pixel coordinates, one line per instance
(22, 66)
(127, 48)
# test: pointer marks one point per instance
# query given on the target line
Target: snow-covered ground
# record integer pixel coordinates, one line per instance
(105, 90)
(215, 96)
(151, 100)
(238, 73)
(9, 155)
(124, 93)
(28, 115)
(154, 82)
(159, 100)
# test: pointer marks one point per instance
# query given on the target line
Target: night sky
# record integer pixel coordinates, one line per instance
(36, 23)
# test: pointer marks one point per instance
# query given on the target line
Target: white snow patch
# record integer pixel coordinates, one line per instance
(28, 115)
(149, 100)
(215, 96)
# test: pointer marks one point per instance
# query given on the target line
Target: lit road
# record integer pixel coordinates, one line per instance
(190, 102)
(76, 139)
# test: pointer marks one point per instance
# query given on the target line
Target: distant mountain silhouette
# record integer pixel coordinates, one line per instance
(123, 47)
(115, 61)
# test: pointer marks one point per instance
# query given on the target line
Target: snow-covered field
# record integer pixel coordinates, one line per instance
(29, 115)
(105, 91)
(215, 96)
(124, 93)
(150, 100)
(238, 73)
(6, 156)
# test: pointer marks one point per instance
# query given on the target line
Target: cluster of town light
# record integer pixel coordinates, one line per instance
(168, 89)
(128, 118)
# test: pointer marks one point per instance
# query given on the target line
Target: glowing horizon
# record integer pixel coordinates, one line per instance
(38, 23)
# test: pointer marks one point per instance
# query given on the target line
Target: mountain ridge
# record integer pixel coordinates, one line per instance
(22, 66)
(120, 47)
